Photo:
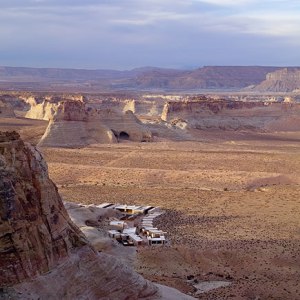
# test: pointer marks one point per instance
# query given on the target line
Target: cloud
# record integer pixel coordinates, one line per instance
(135, 32)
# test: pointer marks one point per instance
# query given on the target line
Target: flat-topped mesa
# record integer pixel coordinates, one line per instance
(284, 80)
(205, 113)
(284, 74)
(43, 255)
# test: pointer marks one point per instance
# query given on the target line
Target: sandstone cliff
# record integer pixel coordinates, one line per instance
(205, 113)
(42, 111)
(73, 124)
(125, 126)
(43, 255)
(284, 80)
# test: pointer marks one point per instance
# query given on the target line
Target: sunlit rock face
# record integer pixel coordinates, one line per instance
(205, 113)
(43, 255)
(284, 80)
(73, 124)
(36, 232)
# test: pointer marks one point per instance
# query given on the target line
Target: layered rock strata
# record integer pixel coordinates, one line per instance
(43, 255)
(205, 113)
(75, 125)
(283, 80)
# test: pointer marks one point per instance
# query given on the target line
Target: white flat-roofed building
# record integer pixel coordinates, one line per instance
(137, 240)
(115, 234)
(133, 209)
(131, 230)
(117, 225)
(124, 230)
(156, 241)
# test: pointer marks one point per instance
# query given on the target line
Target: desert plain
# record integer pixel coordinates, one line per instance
(231, 207)
(231, 202)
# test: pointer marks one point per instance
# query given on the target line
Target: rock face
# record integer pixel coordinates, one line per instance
(284, 80)
(139, 106)
(204, 113)
(72, 125)
(36, 234)
(42, 111)
(42, 253)
(125, 126)
(75, 125)
(6, 111)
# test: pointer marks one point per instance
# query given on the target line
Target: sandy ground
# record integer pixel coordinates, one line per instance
(232, 204)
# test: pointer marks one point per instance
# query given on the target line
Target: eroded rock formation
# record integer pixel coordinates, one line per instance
(42, 111)
(283, 80)
(73, 125)
(205, 113)
(43, 255)
(125, 126)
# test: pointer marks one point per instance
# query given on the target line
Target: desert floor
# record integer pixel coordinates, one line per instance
(232, 203)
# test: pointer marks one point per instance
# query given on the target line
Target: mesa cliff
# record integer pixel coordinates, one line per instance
(150, 78)
(43, 255)
(284, 80)
(205, 113)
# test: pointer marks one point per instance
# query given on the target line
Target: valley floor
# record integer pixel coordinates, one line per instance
(232, 203)
(232, 206)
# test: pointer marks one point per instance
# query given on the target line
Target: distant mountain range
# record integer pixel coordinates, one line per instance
(258, 78)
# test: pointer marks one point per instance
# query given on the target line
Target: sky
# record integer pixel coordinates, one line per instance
(124, 34)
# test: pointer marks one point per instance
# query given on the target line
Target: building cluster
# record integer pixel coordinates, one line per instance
(135, 226)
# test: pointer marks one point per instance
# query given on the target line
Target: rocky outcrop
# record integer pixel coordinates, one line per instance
(43, 255)
(42, 111)
(125, 126)
(75, 125)
(284, 80)
(6, 111)
(44, 108)
(205, 113)
(14, 101)
(72, 125)
(36, 232)
(140, 107)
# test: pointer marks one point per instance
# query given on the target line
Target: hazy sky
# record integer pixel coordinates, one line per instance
(123, 34)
